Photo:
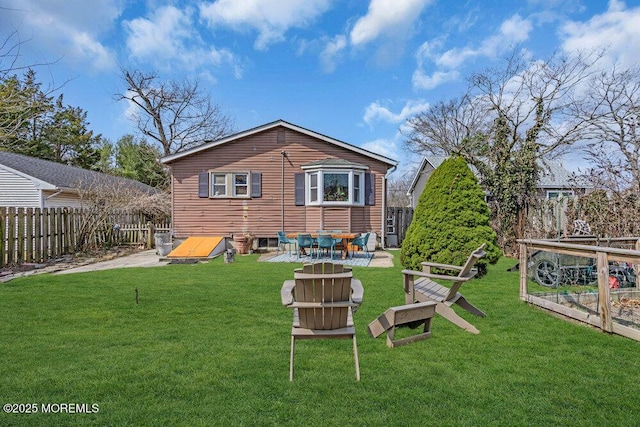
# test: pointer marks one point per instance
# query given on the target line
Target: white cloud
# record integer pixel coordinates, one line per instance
(455, 57)
(66, 29)
(386, 147)
(332, 49)
(421, 80)
(87, 47)
(161, 35)
(167, 36)
(386, 17)
(512, 31)
(617, 30)
(376, 111)
(516, 29)
(271, 18)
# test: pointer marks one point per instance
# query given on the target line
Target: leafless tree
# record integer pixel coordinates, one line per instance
(397, 188)
(508, 122)
(19, 102)
(104, 199)
(612, 109)
(176, 114)
(447, 127)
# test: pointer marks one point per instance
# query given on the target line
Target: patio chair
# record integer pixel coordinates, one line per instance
(324, 297)
(337, 240)
(284, 241)
(326, 242)
(361, 243)
(305, 241)
(425, 289)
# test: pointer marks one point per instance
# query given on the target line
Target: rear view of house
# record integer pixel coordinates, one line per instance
(277, 176)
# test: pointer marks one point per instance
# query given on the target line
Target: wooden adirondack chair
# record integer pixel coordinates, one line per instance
(324, 297)
(425, 289)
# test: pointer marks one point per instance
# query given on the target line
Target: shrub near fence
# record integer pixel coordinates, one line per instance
(38, 235)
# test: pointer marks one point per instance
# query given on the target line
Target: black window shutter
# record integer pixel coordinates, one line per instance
(203, 184)
(299, 187)
(256, 184)
(369, 189)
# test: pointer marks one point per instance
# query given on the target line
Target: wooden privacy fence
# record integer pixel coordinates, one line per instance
(398, 220)
(38, 235)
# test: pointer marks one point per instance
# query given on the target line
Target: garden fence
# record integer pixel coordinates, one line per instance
(33, 235)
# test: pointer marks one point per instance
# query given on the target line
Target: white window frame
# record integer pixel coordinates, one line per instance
(320, 172)
(314, 188)
(357, 191)
(235, 185)
(563, 193)
(231, 188)
(213, 184)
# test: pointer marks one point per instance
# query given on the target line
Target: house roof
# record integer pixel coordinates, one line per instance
(333, 163)
(50, 175)
(552, 174)
(434, 161)
(277, 123)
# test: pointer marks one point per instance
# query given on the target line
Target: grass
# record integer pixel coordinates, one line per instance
(208, 344)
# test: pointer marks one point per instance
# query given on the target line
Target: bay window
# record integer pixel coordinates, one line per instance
(335, 187)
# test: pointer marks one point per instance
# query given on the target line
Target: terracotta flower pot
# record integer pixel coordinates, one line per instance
(242, 244)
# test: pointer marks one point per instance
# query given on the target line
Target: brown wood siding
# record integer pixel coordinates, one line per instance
(313, 219)
(335, 218)
(193, 216)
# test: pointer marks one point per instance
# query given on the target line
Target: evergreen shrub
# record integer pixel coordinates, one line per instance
(450, 221)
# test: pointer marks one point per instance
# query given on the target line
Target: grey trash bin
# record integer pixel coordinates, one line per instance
(161, 240)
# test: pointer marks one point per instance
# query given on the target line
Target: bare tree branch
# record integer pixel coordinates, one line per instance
(174, 114)
(612, 109)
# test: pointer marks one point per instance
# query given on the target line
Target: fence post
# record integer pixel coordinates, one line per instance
(149, 235)
(3, 212)
(603, 292)
(11, 239)
(523, 272)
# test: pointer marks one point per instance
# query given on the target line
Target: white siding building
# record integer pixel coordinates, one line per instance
(28, 182)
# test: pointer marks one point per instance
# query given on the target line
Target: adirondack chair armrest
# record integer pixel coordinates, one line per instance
(439, 276)
(441, 266)
(357, 291)
(286, 293)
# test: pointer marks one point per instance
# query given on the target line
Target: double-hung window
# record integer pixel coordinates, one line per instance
(225, 185)
(240, 185)
(218, 185)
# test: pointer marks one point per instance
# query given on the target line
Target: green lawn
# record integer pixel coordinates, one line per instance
(208, 344)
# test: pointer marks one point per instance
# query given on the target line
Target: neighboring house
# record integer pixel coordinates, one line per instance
(278, 176)
(36, 183)
(554, 180)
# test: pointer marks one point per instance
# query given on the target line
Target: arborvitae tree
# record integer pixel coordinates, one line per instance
(450, 220)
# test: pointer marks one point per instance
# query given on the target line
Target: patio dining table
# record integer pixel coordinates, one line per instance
(346, 238)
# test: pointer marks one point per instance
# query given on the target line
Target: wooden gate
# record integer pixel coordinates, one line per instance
(398, 220)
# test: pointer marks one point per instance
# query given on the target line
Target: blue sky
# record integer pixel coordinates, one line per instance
(354, 70)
